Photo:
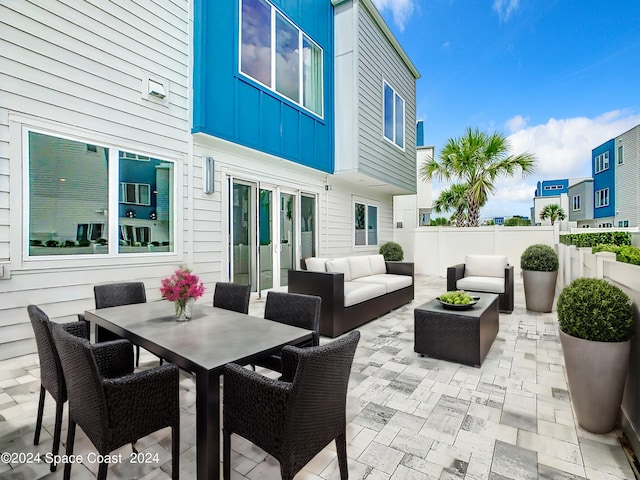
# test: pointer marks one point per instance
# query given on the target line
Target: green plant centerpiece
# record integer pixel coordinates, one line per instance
(596, 325)
(392, 252)
(539, 264)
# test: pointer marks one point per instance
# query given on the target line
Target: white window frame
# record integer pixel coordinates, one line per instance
(602, 197)
(602, 162)
(137, 187)
(577, 202)
(367, 204)
(301, 35)
(620, 154)
(396, 95)
(112, 211)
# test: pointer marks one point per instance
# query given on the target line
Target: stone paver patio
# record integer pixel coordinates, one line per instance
(409, 417)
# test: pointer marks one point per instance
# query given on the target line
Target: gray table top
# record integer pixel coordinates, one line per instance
(212, 338)
(486, 299)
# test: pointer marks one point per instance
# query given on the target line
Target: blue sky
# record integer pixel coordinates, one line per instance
(558, 77)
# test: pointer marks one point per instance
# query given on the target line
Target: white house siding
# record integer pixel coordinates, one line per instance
(76, 69)
(378, 61)
(628, 178)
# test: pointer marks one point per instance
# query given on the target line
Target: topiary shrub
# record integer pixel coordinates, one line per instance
(593, 309)
(539, 258)
(392, 252)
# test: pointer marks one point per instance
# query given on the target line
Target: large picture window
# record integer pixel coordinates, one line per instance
(365, 224)
(72, 205)
(602, 198)
(393, 106)
(602, 162)
(280, 56)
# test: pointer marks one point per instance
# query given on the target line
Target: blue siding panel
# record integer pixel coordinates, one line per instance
(230, 106)
(604, 179)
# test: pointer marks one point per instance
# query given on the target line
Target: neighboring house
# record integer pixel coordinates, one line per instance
(581, 203)
(604, 184)
(234, 137)
(627, 179)
(549, 192)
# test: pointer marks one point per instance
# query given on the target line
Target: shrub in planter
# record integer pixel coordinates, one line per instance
(392, 252)
(596, 324)
(539, 264)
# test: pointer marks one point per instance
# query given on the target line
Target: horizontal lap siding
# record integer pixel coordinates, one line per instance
(77, 68)
(378, 62)
(628, 178)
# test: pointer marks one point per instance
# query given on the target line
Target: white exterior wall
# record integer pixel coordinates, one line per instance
(541, 202)
(79, 69)
(628, 178)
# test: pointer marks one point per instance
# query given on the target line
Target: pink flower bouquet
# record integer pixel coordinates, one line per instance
(180, 288)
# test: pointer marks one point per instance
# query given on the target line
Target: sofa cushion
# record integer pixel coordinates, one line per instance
(485, 265)
(316, 264)
(339, 265)
(376, 262)
(391, 282)
(357, 292)
(359, 266)
(481, 284)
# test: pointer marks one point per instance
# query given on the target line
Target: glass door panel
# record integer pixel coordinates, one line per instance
(265, 238)
(307, 226)
(241, 231)
(287, 235)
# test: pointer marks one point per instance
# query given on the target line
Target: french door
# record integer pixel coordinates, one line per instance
(270, 227)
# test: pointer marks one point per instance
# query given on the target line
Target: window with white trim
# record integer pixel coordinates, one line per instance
(620, 155)
(365, 224)
(277, 54)
(602, 198)
(553, 187)
(602, 162)
(393, 116)
(71, 203)
(623, 223)
(576, 202)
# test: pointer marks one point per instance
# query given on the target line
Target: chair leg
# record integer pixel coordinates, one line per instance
(71, 436)
(56, 433)
(175, 452)
(102, 471)
(341, 449)
(36, 437)
(226, 454)
(137, 355)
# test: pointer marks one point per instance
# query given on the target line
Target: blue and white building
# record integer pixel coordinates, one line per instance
(234, 137)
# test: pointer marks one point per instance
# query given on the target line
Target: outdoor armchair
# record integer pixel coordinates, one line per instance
(51, 376)
(294, 418)
(112, 405)
(484, 273)
(232, 296)
(293, 309)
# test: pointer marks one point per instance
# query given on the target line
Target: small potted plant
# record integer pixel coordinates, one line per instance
(596, 325)
(539, 264)
(183, 288)
(392, 252)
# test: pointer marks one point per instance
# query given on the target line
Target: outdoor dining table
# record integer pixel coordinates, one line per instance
(203, 345)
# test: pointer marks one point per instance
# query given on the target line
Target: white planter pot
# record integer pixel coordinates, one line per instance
(596, 372)
(539, 290)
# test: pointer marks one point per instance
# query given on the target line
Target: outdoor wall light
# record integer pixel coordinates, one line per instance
(209, 175)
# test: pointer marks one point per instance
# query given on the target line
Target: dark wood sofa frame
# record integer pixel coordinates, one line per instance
(505, 300)
(335, 318)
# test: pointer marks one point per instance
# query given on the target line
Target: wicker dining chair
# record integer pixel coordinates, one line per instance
(232, 296)
(293, 309)
(114, 295)
(51, 376)
(113, 405)
(294, 418)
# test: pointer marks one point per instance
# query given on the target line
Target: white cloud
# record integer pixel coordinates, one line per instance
(505, 8)
(516, 123)
(400, 9)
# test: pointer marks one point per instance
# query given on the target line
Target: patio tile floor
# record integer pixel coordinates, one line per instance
(409, 417)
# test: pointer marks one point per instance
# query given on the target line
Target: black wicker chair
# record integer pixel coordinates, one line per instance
(294, 418)
(112, 405)
(51, 376)
(114, 295)
(293, 309)
(232, 296)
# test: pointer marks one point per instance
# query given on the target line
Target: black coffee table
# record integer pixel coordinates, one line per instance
(462, 336)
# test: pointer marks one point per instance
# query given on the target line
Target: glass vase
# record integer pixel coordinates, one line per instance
(184, 309)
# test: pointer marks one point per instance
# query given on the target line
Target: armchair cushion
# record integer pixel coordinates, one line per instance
(481, 284)
(485, 265)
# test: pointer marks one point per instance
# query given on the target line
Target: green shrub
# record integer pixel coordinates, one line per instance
(540, 258)
(596, 238)
(392, 252)
(624, 253)
(592, 309)
(84, 243)
(51, 243)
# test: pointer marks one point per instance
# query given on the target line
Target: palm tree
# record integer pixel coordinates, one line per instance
(477, 159)
(553, 212)
(453, 198)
